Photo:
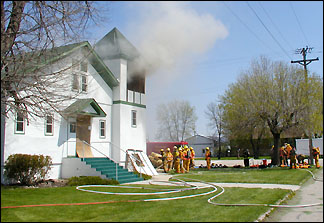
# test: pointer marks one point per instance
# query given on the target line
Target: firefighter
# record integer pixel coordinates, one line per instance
(176, 158)
(246, 155)
(163, 160)
(192, 159)
(186, 158)
(300, 158)
(316, 153)
(207, 157)
(181, 159)
(288, 149)
(175, 150)
(169, 159)
(292, 157)
(283, 155)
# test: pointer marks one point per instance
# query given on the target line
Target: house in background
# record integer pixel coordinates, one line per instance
(199, 144)
(106, 119)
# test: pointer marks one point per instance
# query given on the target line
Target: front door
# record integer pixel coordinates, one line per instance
(83, 132)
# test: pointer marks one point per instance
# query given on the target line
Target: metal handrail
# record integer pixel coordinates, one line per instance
(109, 157)
(126, 153)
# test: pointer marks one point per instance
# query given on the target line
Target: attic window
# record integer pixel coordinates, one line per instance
(79, 75)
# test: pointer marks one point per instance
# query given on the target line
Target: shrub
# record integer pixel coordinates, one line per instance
(27, 169)
(90, 180)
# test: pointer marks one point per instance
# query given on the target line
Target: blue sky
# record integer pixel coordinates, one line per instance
(224, 39)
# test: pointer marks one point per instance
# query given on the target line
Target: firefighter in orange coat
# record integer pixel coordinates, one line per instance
(169, 159)
(316, 153)
(283, 155)
(288, 149)
(207, 157)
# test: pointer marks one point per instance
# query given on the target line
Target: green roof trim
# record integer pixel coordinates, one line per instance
(129, 103)
(77, 108)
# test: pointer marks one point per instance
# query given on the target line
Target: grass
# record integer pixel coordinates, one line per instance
(231, 158)
(276, 175)
(195, 209)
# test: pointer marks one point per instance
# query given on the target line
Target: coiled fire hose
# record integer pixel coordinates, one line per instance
(193, 187)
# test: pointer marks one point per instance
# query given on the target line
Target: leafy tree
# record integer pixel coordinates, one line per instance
(28, 30)
(275, 93)
(240, 121)
(177, 120)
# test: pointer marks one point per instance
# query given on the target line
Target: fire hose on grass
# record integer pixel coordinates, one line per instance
(169, 191)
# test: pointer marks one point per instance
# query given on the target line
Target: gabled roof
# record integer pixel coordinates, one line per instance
(197, 135)
(46, 57)
(115, 45)
(87, 106)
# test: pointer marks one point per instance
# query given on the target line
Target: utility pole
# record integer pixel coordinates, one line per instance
(304, 62)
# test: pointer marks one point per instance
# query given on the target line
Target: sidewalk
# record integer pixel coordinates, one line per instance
(310, 192)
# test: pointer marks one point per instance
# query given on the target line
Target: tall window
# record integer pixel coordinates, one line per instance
(72, 127)
(49, 125)
(102, 128)
(134, 118)
(19, 124)
(79, 76)
(84, 83)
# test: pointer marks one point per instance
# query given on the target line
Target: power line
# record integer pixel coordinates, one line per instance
(268, 31)
(248, 28)
(299, 23)
(287, 42)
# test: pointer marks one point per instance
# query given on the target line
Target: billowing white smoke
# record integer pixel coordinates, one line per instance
(169, 34)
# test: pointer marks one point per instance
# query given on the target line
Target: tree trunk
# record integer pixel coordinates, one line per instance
(310, 146)
(253, 146)
(219, 147)
(275, 153)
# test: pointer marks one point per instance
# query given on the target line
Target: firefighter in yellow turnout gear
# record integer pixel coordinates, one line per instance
(192, 158)
(207, 157)
(163, 159)
(316, 153)
(181, 159)
(169, 159)
(176, 158)
(186, 158)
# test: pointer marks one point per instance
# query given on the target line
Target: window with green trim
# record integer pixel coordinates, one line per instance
(19, 124)
(134, 124)
(79, 75)
(102, 128)
(49, 125)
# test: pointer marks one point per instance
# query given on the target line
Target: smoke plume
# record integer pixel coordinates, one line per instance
(171, 34)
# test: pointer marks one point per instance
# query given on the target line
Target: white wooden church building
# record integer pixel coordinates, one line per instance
(109, 113)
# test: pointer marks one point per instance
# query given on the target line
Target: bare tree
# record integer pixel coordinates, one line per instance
(177, 120)
(31, 32)
(215, 113)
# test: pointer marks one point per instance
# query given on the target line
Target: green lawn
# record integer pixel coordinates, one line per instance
(231, 158)
(184, 210)
(276, 175)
